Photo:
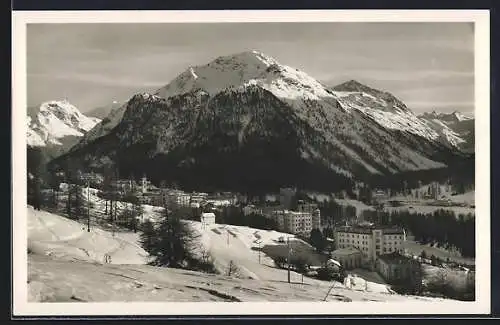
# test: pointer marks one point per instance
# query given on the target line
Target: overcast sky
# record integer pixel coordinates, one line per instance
(430, 66)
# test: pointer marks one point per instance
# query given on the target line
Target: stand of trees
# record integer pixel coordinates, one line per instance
(318, 240)
(128, 218)
(35, 172)
(441, 226)
(171, 244)
(442, 285)
(233, 215)
(460, 172)
(334, 212)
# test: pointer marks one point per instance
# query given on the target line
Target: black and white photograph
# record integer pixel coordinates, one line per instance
(335, 164)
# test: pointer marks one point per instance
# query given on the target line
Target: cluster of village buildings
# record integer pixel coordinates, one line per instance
(362, 245)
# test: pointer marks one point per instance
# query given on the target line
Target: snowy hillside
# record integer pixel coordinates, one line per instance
(62, 238)
(66, 263)
(54, 280)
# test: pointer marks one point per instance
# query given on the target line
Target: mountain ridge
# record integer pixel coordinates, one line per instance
(249, 104)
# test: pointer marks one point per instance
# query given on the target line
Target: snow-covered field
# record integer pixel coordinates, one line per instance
(468, 197)
(360, 206)
(66, 263)
(227, 243)
(51, 280)
(416, 249)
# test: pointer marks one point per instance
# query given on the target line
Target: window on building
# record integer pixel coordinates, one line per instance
(377, 247)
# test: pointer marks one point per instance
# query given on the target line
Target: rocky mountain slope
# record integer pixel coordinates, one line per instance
(391, 113)
(245, 121)
(55, 126)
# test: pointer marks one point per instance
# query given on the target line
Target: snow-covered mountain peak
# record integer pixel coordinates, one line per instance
(235, 105)
(353, 86)
(432, 114)
(460, 117)
(147, 96)
(54, 120)
(382, 100)
(251, 59)
(246, 68)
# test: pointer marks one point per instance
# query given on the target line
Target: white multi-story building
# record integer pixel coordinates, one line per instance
(176, 197)
(316, 219)
(294, 222)
(371, 240)
(251, 209)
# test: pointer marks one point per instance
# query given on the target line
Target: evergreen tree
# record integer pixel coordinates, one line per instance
(54, 183)
(149, 237)
(138, 212)
(328, 232)
(232, 269)
(173, 243)
(35, 168)
(318, 240)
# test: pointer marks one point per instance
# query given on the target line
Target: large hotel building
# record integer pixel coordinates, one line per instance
(371, 240)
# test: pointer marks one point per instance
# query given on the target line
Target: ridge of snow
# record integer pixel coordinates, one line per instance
(193, 73)
(104, 126)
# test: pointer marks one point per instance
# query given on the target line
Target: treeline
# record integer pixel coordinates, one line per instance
(45, 190)
(233, 215)
(441, 226)
(461, 173)
(333, 213)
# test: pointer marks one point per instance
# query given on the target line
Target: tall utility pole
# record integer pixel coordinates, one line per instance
(88, 205)
(288, 259)
(259, 251)
(259, 242)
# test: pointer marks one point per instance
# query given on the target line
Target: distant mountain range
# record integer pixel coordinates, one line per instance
(245, 121)
(456, 124)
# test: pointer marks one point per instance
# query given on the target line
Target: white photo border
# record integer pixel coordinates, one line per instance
(481, 20)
